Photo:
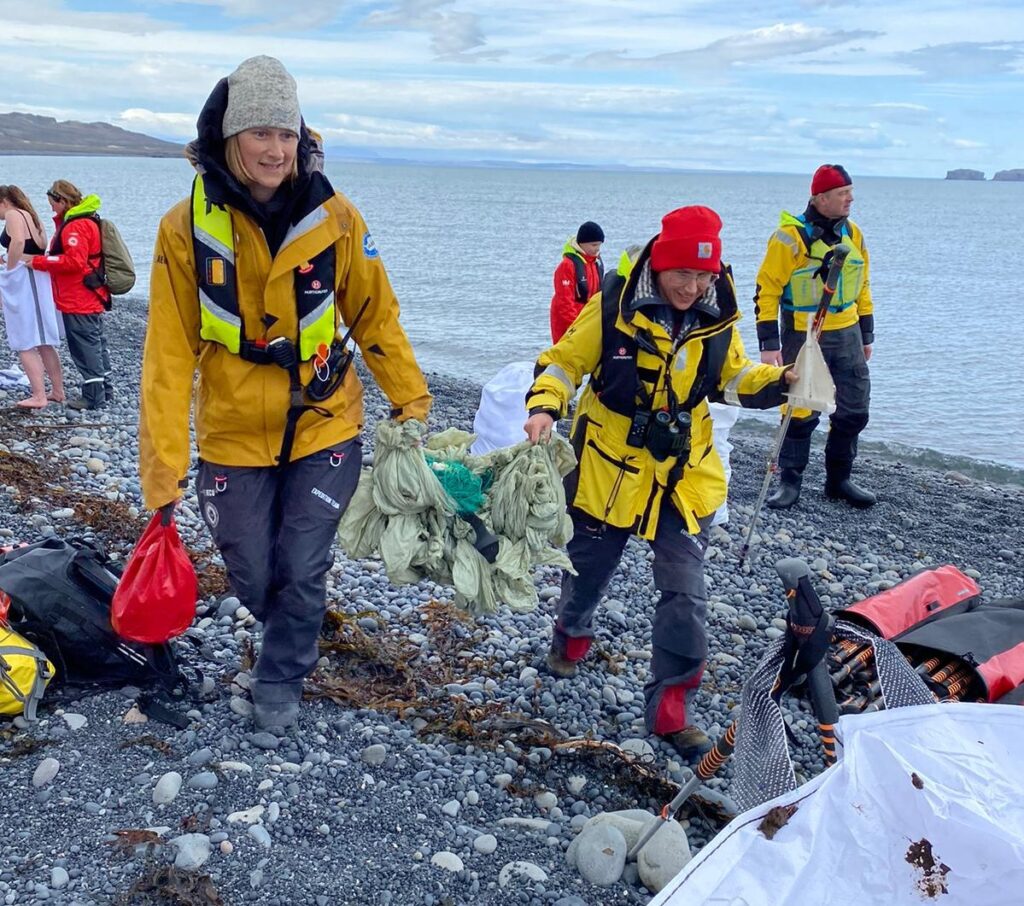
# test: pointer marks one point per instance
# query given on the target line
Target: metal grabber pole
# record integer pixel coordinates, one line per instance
(798, 392)
(808, 634)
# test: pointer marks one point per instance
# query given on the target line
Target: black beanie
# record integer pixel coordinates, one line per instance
(589, 232)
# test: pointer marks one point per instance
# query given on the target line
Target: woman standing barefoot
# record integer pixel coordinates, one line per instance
(34, 327)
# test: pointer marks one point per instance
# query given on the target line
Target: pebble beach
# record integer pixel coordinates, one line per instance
(434, 762)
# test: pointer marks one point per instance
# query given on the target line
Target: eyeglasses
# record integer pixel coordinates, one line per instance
(55, 196)
(703, 279)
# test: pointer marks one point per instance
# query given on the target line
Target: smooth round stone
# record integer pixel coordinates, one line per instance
(167, 788)
(45, 772)
(448, 861)
(485, 844)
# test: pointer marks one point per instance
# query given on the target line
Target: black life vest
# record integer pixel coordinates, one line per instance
(621, 384)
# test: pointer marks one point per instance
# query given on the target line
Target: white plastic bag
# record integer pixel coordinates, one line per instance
(499, 420)
(722, 419)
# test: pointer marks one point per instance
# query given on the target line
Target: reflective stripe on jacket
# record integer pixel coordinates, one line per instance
(221, 319)
(622, 485)
(788, 281)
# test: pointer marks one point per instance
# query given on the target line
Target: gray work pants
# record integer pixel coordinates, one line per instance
(87, 345)
(843, 351)
(275, 528)
(678, 636)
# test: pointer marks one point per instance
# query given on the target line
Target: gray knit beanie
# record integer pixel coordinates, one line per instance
(261, 92)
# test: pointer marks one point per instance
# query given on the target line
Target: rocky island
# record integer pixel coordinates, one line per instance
(1009, 176)
(965, 174)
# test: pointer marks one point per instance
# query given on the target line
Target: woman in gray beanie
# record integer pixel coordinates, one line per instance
(254, 276)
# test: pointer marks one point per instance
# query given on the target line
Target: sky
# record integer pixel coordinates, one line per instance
(886, 88)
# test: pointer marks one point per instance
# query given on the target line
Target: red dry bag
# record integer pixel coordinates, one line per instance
(156, 597)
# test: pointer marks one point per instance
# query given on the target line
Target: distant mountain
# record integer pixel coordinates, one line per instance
(26, 133)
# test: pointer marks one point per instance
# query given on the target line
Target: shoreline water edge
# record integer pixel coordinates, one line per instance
(453, 785)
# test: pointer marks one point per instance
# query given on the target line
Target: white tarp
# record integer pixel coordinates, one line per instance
(926, 806)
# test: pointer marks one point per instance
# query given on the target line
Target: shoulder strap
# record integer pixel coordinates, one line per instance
(580, 270)
(809, 233)
(611, 290)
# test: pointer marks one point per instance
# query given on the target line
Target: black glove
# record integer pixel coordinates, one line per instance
(167, 512)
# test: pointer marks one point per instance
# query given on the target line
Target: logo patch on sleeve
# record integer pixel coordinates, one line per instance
(369, 248)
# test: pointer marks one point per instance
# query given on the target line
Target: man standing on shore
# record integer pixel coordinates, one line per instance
(658, 340)
(789, 284)
(577, 277)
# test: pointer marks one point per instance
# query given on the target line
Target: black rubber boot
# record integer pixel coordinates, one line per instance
(788, 492)
(838, 485)
(559, 665)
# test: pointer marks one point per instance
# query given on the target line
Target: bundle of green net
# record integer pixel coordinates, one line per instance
(411, 510)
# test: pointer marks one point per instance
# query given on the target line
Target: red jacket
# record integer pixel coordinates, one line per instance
(76, 251)
(565, 305)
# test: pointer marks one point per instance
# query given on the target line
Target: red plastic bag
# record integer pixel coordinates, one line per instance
(156, 597)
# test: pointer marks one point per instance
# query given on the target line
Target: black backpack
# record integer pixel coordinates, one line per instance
(60, 593)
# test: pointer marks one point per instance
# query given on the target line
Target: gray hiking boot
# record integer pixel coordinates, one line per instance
(275, 715)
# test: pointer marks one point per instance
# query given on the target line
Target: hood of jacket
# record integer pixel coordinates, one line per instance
(206, 154)
(87, 206)
(640, 295)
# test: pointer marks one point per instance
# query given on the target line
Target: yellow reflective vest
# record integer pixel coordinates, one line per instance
(240, 406)
(220, 317)
(787, 281)
(622, 485)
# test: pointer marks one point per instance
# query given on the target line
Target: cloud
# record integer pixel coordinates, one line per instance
(965, 59)
(965, 144)
(139, 119)
(743, 48)
(382, 132)
(453, 35)
(308, 14)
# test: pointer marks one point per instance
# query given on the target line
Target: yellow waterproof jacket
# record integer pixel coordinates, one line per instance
(788, 260)
(623, 485)
(241, 407)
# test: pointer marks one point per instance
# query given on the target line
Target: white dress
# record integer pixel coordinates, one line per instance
(30, 316)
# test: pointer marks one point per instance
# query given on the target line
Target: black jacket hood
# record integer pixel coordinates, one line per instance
(206, 154)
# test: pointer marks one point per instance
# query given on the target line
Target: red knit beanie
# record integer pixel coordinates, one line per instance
(829, 176)
(689, 238)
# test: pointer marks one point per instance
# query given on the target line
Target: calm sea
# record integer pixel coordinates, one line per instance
(471, 252)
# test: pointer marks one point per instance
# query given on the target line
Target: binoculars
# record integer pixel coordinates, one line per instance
(665, 434)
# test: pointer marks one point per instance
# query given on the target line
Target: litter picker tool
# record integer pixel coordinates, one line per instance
(808, 634)
(813, 388)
